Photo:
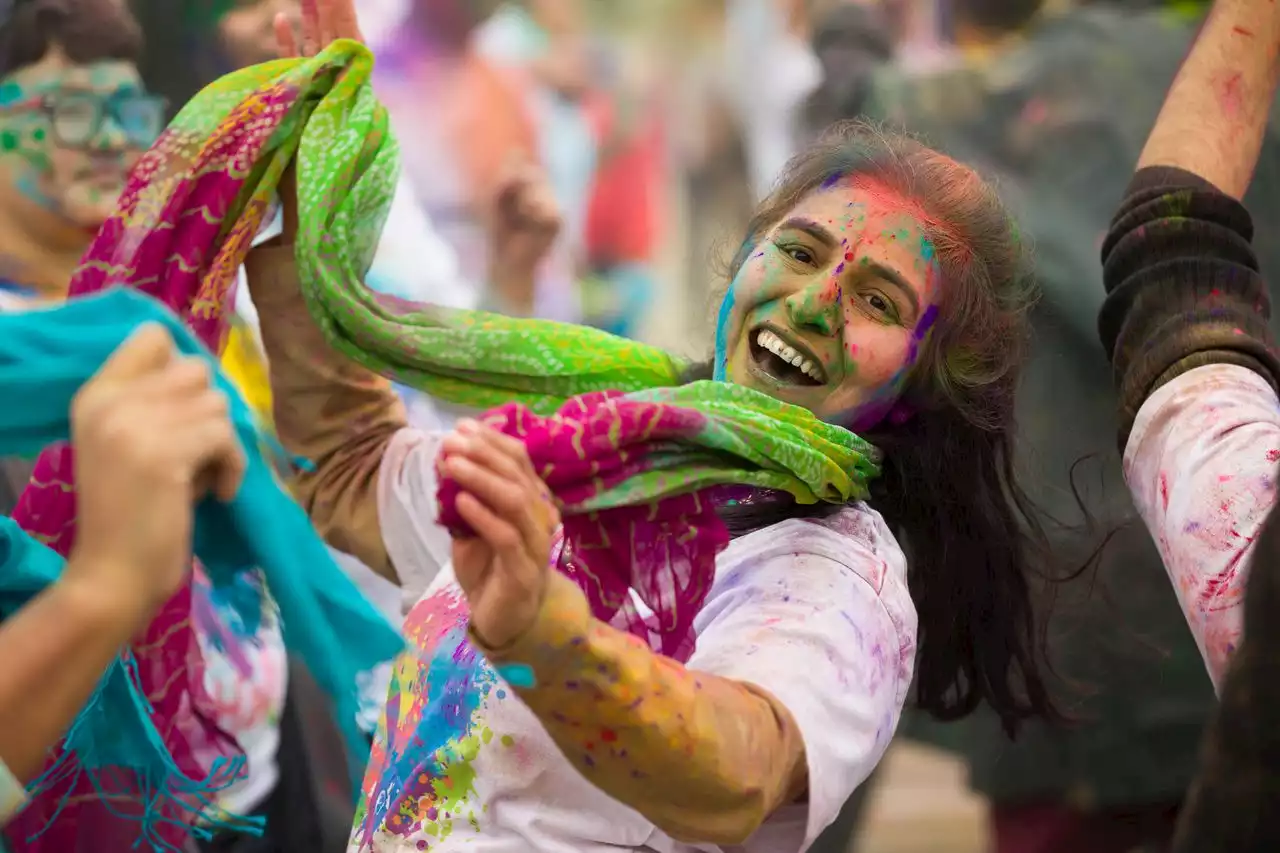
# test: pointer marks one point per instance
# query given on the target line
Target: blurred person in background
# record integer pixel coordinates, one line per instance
(473, 135)
(852, 41)
(627, 206)
(709, 154)
(1058, 105)
(770, 71)
(601, 145)
(544, 44)
(74, 117)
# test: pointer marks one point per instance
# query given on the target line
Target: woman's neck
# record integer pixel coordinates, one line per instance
(38, 249)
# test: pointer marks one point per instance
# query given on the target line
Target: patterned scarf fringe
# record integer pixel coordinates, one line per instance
(157, 779)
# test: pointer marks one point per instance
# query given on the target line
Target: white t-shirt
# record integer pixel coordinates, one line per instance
(817, 612)
(1201, 463)
(246, 673)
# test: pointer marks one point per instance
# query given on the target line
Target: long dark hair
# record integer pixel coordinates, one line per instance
(972, 536)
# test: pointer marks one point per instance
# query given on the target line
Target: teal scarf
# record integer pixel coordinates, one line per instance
(45, 357)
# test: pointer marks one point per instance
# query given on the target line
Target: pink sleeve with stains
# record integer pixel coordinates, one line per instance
(1201, 464)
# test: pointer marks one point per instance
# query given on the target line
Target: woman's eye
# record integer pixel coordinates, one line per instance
(801, 254)
(881, 305)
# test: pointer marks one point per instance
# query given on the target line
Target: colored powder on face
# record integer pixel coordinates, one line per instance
(927, 253)
(872, 412)
(927, 320)
(722, 333)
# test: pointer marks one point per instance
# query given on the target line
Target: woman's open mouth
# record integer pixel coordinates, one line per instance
(786, 361)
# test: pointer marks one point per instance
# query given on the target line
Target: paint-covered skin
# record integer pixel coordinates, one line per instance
(553, 743)
(848, 284)
(47, 161)
(246, 33)
(1202, 463)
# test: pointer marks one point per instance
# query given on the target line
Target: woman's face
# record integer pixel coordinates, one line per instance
(833, 305)
(70, 133)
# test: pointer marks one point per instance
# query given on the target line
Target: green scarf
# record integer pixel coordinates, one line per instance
(631, 456)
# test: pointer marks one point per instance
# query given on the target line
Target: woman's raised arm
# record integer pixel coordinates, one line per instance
(1185, 323)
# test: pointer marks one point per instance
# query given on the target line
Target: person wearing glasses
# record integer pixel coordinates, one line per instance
(75, 116)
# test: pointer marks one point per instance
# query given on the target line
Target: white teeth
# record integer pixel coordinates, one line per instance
(768, 340)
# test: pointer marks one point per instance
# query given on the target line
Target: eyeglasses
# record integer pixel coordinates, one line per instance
(76, 118)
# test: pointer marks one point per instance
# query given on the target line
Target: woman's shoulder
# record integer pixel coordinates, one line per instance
(855, 539)
(820, 577)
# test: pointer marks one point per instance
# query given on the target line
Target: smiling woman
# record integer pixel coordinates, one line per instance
(828, 306)
(883, 286)
(790, 597)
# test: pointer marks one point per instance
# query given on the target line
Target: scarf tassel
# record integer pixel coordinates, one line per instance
(156, 779)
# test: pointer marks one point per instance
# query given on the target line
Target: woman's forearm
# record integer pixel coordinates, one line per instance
(705, 758)
(54, 652)
(1215, 114)
(328, 410)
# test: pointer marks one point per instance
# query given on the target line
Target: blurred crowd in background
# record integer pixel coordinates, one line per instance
(660, 123)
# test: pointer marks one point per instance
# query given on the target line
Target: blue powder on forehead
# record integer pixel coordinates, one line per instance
(831, 181)
(722, 335)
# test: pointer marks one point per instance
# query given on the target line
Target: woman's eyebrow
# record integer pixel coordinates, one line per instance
(895, 278)
(812, 228)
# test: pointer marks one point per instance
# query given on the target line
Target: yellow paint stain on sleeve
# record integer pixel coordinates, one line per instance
(246, 367)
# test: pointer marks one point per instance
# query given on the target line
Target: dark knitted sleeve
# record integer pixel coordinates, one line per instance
(1183, 287)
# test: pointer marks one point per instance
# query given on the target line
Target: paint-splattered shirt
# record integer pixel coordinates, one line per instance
(1201, 462)
(814, 612)
(245, 678)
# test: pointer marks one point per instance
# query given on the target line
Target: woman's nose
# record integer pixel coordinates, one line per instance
(815, 306)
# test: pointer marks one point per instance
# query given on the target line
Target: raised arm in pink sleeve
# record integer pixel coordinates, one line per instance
(1201, 463)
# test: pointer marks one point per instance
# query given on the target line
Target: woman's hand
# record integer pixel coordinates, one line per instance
(323, 22)
(526, 221)
(151, 436)
(503, 570)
